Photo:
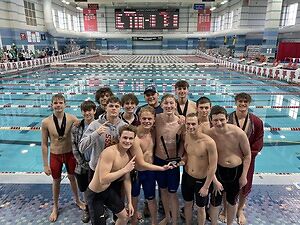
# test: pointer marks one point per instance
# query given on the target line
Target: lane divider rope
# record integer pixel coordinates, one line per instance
(139, 84)
(138, 93)
(78, 106)
(265, 128)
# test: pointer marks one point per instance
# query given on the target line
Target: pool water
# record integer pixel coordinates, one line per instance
(25, 100)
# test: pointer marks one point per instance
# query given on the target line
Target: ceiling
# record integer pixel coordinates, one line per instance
(147, 3)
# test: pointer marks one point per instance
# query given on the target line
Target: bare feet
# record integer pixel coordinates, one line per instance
(222, 217)
(80, 204)
(241, 219)
(54, 214)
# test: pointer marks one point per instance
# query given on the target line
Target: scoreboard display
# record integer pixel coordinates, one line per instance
(144, 19)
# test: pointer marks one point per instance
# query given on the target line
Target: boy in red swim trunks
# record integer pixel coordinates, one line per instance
(254, 128)
(57, 128)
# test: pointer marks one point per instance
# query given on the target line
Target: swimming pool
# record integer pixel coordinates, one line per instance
(25, 100)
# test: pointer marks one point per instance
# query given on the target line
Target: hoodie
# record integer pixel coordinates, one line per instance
(92, 141)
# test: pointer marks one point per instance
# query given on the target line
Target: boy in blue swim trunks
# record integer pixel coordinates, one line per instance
(146, 179)
(168, 149)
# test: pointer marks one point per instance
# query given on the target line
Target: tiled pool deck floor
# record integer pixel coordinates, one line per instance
(273, 200)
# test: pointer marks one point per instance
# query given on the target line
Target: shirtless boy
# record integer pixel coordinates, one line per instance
(114, 165)
(57, 128)
(146, 179)
(234, 158)
(203, 109)
(103, 132)
(254, 129)
(168, 148)
(200, 166)
(184, 106)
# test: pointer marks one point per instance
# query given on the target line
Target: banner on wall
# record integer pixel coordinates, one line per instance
(90, 20)
(38, 37)
(29, 39)
(32, 36)
(204, 20)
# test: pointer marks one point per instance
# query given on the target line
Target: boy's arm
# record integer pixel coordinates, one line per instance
(212, 163)
(136, 151)
(45, 135)
(105, 164)
(245, 148)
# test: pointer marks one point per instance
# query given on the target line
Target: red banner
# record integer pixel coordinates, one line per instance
(204, 20)
(90, 20)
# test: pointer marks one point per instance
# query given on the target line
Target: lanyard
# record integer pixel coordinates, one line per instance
(60, 130)
(185, 108)
(245, 122)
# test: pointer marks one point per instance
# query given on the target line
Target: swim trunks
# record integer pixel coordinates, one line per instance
(57, 161)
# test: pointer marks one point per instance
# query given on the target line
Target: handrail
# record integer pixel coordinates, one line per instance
(15, 66)
(292, 76)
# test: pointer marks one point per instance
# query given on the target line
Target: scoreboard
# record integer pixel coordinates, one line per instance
(144, 19)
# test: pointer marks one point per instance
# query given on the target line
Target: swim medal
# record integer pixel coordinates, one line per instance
(60, 130)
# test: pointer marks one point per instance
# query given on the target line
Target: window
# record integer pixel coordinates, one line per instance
(61, 20)
(30, 13)
(218, 23)
(289, 15)
(54, 17)
(230, 19)
(69, 18)
(222, 22)
(76, 23)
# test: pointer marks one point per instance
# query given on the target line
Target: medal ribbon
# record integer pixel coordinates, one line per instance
(60, 130)
(245, 122)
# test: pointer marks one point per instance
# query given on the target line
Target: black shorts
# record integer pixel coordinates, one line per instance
(82, 180)
(229, 178)
(96, 202)
(190, 187)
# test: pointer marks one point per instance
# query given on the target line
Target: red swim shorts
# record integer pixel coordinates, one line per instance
(57, 161)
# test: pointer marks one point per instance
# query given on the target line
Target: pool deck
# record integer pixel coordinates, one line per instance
(27, 199)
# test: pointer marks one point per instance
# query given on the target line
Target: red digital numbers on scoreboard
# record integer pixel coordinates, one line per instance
(147, 18)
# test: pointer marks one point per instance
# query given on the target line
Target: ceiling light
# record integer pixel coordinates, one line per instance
(223, 2)
(212, 8)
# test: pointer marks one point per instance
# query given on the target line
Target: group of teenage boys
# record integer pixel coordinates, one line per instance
(112, 154)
